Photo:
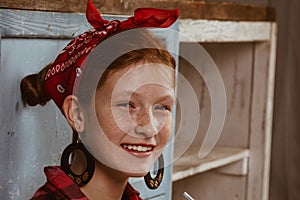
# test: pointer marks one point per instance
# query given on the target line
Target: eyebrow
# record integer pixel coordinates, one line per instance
(133, 93)
(167, 97)
(126, 93)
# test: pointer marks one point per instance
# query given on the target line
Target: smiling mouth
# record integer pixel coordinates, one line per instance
(138, 147)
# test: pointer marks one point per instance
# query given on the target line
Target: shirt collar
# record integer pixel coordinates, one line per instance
(61, 181)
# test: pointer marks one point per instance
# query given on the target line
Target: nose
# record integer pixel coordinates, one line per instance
(146, 124)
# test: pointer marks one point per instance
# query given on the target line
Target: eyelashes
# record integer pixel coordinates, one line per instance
(126, 105)
(162, 107)
(130, 105)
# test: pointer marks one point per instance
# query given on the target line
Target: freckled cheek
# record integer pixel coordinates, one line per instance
(165, 133)
(162, 120)
(110, 127)
(123, 121)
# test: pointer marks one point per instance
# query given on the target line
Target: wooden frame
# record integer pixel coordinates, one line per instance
(252, 162)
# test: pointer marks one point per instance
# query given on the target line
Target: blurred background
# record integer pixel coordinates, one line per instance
(285, 161)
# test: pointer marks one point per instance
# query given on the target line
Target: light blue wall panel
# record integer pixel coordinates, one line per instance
(32, 137)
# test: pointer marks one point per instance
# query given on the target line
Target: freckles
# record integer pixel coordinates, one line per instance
(106, 123)
(112, 132)
(164, 121)
(165, 135)
(123, 122)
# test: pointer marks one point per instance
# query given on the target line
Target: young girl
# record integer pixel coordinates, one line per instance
(122, 122)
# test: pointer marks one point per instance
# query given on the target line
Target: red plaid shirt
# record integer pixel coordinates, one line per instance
(60, 187)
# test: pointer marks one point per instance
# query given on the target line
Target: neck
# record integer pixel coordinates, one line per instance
(106, 183)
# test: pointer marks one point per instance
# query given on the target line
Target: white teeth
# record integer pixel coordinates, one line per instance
(140, 148)
(137, 148)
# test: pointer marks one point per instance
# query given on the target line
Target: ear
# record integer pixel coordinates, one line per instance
(73, 113)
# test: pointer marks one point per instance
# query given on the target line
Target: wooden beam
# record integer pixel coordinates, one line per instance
(189, 9)
(37, 24)
(223, 31)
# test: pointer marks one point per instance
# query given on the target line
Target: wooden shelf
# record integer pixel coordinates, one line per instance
(190, 164)
(223, 31)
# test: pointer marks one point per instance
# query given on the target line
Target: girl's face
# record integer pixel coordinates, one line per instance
(133, 110)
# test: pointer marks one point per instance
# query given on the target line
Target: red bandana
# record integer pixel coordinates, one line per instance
(69, 64)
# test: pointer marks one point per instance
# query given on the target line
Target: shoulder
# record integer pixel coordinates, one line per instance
(49, 190)
(58, 187)
(46, 192)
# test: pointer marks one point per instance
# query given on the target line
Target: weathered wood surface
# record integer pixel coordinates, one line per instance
(41, 24)
(223, 31)
(248, 72)
(20, 23)
(261, 118)
(190, 165)
(211, 185)
(189, 9)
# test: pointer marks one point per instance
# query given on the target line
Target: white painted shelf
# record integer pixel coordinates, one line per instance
(189, 164)
(223, 31)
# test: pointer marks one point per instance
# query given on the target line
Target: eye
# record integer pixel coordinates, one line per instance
(162, 107)
(126, 105)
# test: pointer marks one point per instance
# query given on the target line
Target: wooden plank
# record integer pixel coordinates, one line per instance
(38, 24)
(223, 31)
(45, 5)
(189, 9)
(226, 11)
(234, 61)
(269, 110)
(261, 118)
(189, 164)
(211, 186)
(41, 24)
(45, 128)
(238, 168)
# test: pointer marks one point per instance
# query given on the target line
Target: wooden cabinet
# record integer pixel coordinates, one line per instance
(238, 166)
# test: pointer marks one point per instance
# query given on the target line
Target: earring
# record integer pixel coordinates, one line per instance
(153, 183)
(86, 176)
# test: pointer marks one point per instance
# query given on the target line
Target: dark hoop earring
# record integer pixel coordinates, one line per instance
(153, 183)
(86, 176)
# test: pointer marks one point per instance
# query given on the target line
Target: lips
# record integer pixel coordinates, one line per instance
(139, 150)
(138, 147)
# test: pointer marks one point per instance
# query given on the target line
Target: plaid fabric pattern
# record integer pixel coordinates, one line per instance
(60, 187)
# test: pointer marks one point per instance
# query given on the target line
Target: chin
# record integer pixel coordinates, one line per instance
(136, 175)
(137, 170)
